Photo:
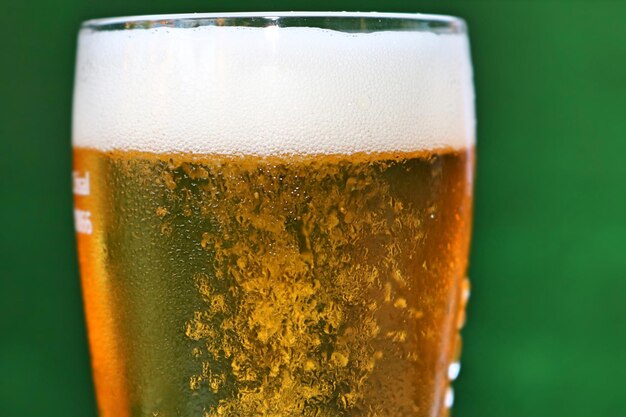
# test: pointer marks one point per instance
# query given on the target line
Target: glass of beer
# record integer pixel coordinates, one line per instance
(273, 212)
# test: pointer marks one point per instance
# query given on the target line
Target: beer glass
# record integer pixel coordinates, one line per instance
(273, 212)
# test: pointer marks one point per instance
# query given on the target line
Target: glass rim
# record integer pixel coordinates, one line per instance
(341, 21)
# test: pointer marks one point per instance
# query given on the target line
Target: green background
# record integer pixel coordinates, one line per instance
(547, 320)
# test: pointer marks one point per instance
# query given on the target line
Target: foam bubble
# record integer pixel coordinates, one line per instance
(236, 90)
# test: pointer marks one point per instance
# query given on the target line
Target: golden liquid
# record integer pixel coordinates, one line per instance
(274, 286)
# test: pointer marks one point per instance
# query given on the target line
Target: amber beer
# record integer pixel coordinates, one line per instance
(261, 258)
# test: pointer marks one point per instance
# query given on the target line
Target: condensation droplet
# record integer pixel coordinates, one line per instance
(449, 398)
(453, 370)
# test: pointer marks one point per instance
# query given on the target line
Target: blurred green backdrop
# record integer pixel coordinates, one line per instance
(547, 328)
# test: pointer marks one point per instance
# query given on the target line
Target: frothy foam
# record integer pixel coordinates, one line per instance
(232, 90)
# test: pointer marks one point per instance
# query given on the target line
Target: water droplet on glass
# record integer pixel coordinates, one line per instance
(453, 370)
(449, 399)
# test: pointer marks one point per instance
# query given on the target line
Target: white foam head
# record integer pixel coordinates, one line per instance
(237, 90)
